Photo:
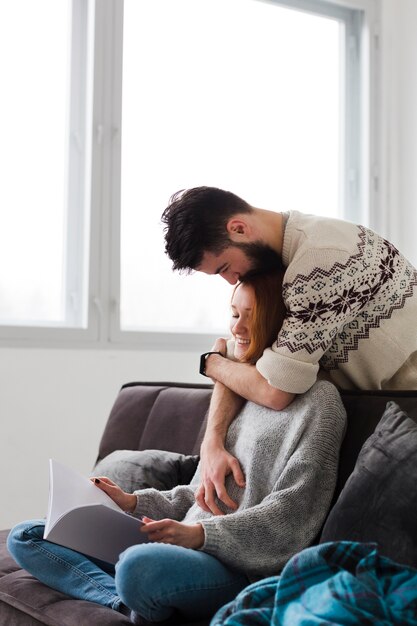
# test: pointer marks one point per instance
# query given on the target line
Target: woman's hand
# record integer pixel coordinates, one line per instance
(220, 345)
(126, 501)
(176, 533)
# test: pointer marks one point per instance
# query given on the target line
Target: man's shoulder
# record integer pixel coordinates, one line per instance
(320, 230)
(315, 236)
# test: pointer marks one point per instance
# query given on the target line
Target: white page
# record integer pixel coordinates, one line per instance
(68, 490)
(84, 518)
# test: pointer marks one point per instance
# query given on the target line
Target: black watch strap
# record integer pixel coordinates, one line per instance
(203, 361)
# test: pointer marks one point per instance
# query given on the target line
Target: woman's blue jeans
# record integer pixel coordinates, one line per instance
(153, 579)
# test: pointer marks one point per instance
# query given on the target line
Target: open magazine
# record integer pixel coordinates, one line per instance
(84, 518)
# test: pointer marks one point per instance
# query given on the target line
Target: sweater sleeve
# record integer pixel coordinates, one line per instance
(172, 504)
(260, 540)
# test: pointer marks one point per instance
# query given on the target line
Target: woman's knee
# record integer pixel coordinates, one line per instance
(156, 580)
(21, 536)
(140, 574)
(138, 565)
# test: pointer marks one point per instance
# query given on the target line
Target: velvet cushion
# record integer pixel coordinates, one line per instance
(379, 500)
(132, 469)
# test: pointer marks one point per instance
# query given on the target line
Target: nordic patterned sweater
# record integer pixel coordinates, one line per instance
(290, 461)
(351, 301)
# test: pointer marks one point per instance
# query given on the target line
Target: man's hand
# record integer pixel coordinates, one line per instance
(126, 501)
(176, 533)
(216, 464)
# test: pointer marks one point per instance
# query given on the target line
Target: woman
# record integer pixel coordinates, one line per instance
(196, 561)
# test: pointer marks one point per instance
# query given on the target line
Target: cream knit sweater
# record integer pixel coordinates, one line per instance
(351, 301)
(290, 461)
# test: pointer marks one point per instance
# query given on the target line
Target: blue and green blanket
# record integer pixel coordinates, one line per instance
(340, 583)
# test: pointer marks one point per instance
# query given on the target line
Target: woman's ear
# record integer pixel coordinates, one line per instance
(238, 230)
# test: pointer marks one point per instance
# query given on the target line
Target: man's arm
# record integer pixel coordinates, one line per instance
(216, 462)
(245, 380)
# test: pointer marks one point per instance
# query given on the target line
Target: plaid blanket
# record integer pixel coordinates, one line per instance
(340, 583)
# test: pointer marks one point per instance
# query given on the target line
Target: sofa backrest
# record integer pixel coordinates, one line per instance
(159, 416)
(171, 416)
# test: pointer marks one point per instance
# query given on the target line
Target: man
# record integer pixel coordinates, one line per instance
(350, 298)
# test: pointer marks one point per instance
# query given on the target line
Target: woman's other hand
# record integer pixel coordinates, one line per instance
(126, 501)
(220, 345)
(176, 533)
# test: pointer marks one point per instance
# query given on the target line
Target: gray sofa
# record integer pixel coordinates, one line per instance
(164, 416)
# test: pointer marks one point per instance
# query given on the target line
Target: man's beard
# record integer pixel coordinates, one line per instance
(263, 258)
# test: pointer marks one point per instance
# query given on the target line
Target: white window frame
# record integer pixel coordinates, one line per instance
(77, 306)
(101, 22)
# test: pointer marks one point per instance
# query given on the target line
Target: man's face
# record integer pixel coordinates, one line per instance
(240, 260)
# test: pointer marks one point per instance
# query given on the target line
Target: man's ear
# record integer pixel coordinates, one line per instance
(238, 230)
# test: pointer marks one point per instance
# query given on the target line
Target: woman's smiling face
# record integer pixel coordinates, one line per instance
(243, 302)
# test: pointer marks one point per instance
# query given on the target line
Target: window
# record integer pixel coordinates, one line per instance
(43, 217)
(245, 95)
(138, 100)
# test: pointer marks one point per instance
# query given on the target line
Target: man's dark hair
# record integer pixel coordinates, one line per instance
(195, 222)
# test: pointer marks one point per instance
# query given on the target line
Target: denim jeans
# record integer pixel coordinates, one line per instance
(153, 579)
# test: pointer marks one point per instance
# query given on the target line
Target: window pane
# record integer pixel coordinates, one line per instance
(238, 94)
(34, 44)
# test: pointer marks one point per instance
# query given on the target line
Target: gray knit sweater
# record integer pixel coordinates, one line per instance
(290, 461)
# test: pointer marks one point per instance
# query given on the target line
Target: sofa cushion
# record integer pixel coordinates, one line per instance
(379, 501)
(24, 601)
(160, 469)
(364, 410)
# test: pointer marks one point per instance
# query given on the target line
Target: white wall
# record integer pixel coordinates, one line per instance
(399, 124)
(55, 402)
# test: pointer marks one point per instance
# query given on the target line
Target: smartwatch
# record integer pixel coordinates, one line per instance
(203, 361)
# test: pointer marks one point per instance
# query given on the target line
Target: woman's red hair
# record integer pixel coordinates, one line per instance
(268, 312)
